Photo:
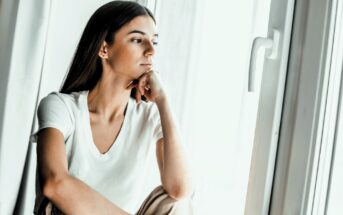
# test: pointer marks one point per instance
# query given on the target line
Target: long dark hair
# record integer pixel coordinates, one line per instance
(86, 68)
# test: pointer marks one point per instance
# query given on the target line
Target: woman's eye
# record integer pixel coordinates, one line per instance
(137, 40)
(155, 43)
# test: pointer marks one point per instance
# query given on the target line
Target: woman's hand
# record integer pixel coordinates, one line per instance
(150, 86)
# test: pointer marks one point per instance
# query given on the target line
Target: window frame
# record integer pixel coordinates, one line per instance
(305, 110)
(270, 107)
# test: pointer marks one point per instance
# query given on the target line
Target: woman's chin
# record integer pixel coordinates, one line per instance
(139, 74)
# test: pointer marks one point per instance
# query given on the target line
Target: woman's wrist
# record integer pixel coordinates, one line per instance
(161, 100)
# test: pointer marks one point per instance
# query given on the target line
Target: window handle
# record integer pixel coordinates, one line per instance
(262, 42)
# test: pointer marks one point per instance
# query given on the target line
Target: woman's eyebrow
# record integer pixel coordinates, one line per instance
(140, 32)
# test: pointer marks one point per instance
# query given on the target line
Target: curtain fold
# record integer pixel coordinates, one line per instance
(25, 59)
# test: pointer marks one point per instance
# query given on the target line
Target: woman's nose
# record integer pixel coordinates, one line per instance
(150, 49)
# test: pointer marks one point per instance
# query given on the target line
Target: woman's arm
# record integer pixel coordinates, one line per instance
(175, 173)
(69, 194)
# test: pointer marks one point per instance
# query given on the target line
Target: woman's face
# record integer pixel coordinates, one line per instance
(133, 49)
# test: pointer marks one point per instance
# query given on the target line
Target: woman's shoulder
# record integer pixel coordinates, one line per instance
(73, 99)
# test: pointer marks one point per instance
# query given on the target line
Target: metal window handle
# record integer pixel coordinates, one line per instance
(262, 42)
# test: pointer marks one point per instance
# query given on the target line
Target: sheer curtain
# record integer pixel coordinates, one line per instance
(24, 26)
(204, 58)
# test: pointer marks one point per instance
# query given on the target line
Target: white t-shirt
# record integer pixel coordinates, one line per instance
(120, 173)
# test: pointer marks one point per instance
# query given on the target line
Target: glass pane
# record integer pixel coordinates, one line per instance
(335, 188)
(223, 113)
(335, 194)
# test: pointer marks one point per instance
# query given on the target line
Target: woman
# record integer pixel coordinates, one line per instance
(95, 136)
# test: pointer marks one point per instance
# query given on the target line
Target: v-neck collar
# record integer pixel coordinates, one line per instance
(117, 141)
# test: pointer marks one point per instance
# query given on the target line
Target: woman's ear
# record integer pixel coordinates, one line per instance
(103, 52)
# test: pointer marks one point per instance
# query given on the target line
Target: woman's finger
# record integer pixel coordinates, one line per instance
(138, 96)
(142, 83)
(147, 87)
(131, 85)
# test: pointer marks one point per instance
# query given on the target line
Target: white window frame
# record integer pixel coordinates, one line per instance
(306, 136)
(269, 111)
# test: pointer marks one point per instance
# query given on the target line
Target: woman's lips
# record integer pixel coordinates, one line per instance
(147, 65)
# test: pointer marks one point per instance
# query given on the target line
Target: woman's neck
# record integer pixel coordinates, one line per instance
(109, 98)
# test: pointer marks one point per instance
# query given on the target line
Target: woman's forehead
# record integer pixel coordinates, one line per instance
(144, 25)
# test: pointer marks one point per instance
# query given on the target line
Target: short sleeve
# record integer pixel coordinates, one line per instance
(156, 122)
(53, 113)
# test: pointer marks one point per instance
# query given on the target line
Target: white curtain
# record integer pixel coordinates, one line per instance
(24, 26)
